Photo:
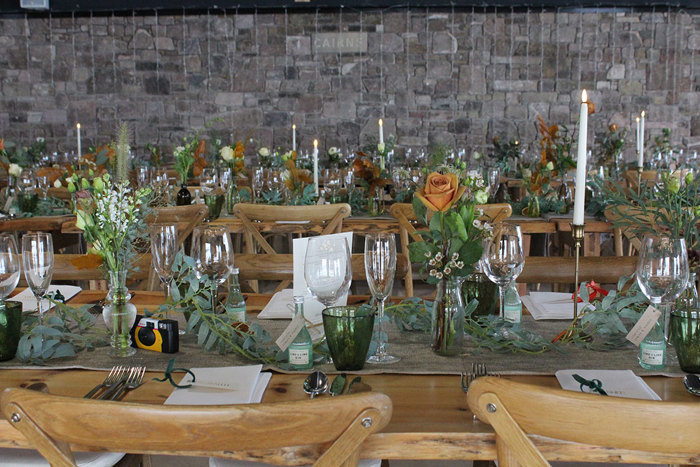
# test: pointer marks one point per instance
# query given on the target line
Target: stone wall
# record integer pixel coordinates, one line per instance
(435, 76)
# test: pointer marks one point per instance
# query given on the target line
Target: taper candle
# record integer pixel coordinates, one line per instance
(316, 167)
(294, 137)
(580, 196)
(641, 137)
(381, 131)
(640, 156)
(80, 148)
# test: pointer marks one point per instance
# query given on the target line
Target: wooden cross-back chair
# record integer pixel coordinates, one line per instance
(526, 418)
(321, 219)
(331, 430)
(403, 212)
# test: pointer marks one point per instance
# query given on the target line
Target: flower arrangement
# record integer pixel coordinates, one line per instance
(556, 146)
(234, 158)
(336, 159)
(503, 153)
(297, 181)
(610, 146)
(452, 245)
(269, 159)
(662, 143)
(190, 157)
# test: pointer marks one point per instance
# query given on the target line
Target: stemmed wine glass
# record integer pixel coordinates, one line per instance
(212, 252)
(37, 260)
(9, 266)
(380, 268)
(328, 268)
(662, 272)
(503, 258)
(209, 180)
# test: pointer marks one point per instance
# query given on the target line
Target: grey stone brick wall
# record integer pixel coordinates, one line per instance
(435, 76)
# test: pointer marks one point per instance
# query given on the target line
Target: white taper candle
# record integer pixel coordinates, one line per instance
(580, 196)
(80, 147)
(641, 139)
(294, 137)
(316, 167)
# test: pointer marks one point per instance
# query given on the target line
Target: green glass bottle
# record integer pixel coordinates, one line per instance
(235, 303)
(301, 351)
(513, 306)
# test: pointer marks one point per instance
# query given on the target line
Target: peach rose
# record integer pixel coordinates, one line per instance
(440, 191)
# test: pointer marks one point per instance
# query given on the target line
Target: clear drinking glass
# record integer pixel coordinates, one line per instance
(37, 260)
(380, 269)
(9, 265)
(212, 252)
(163, 251)
(27, 181)
(209, 180)
(43, 184)
(503, 258)
(328, 268)
(662, 272)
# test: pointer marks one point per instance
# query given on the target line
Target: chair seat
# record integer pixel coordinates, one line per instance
(31, 458)
(219, 462)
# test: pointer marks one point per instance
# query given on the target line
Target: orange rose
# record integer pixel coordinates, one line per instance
(440, 191)
(2, 144)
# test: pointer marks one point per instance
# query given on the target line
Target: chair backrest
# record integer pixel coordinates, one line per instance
(403, 213)
(329, 216)
(560, 270)
(516, 410)
(339, 425)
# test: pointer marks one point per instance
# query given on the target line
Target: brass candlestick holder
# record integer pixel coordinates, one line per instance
(577, 231)
(639, 179)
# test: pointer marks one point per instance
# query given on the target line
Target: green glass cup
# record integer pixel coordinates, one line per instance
(478, 286)
(348, 333)
(685, 336)
(214, 202)
(27, 201)
(10, 328)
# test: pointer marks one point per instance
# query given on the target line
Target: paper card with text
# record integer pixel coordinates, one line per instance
(288, 335)
(312, 307)
(644, 325)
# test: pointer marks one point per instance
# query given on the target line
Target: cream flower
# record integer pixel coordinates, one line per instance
(226, 153)
(15, 170)
(264, 152)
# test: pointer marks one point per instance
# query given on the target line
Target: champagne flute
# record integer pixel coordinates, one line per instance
(380, 268)
(662, 272)
(37, 260)
(328, 268)
(9, 266)
(212, 252)
(503, 258)
(163, 251)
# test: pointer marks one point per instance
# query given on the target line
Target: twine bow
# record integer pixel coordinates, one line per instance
(594, 384)
(168, 375)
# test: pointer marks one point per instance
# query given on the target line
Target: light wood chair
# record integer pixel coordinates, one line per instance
(560, 270)
(403, 212)
(531, 421)
(329, 216)
(333, 429)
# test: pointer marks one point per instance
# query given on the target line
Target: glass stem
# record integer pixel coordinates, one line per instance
(502, 300)
(39, 309)
(214, 295)
(666, 316)
(381, 342)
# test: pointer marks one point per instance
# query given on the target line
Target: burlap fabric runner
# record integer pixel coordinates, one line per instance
(413, 348)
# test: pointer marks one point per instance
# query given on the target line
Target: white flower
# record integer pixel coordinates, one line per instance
(480, 212)
(448, 270)
(333, 151)
(438, 256)
(476, 155)
(477, 223)
(550, 165)
(381, 147)
(460, 264)
(14, 170)
(226, 153)
(527, 173)
(178, 150)
(438, 275)
(40, 139)
(57, 183)
(432, 262)
(453, 264)
(427, 254)
(263, 151)
(481, 197)
(432, 272)
(488, 227)
(455, 255)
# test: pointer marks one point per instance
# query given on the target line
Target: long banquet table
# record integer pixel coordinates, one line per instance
(430, 419)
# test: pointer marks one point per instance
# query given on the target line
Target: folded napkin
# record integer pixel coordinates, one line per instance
(29, 301)
(551, 305)
(619, 383)
(222, 386)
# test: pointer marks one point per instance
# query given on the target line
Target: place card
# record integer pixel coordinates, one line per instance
(289, 334)
(644, 325)
(220, 386)
(29, 301)
(617, 383)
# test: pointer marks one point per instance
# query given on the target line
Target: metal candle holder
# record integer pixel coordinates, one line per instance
(639, 180)
(577, 231)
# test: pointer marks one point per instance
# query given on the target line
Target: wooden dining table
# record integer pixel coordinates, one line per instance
(431, 419)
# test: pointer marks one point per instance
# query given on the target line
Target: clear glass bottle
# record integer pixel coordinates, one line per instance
(235, 303)
(652, 350)
(300, 352)
(513, 306)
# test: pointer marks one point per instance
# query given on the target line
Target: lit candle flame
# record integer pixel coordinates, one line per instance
(294, 126)
(380, 122)
(78, 125)
(584, 96)
(644, 114)
(637, 119)
(315, 143)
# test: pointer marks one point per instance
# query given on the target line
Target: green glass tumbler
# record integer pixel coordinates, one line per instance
(348, 333)
(214, 202)
(10, 328)
(685, 336)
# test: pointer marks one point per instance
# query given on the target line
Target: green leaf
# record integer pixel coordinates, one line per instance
(420, 210)
(436, 224)
(64, 350)
(459, 226)
(417, 251)
(470, 253)
(203, 333)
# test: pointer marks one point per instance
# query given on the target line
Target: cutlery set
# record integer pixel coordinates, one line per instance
(317, 383)
(119, 380)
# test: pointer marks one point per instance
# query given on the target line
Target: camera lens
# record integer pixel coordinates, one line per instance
(147, 337)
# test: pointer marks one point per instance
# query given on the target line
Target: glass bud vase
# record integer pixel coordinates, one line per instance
(233, 196)
(478, 286)
(119, 315)
(448, 318)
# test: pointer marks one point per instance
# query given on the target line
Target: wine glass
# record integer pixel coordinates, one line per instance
(9, 266)
(328, 268)
(163, 250)
(212, 252)
(662, 272)
(43, 183)
(503, 258)
(209, 180)
(27, 181)
(37, 260)
(380, 268)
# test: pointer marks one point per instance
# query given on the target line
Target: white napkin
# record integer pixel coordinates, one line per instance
(551, 305)
(222, 386)
(619, 383)
(280, 306)
(29, 301)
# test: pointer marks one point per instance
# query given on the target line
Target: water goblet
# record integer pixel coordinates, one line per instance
(662, 272)
(328, 268)
(209, 180)
(503, 258)
(380, 268)
(9, 266)
(212, 252)
(37, 260)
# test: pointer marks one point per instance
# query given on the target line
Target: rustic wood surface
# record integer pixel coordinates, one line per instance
(431, 419)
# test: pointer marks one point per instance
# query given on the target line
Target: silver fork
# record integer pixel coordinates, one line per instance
(114, 375)
(467, 377)
(135, 380)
